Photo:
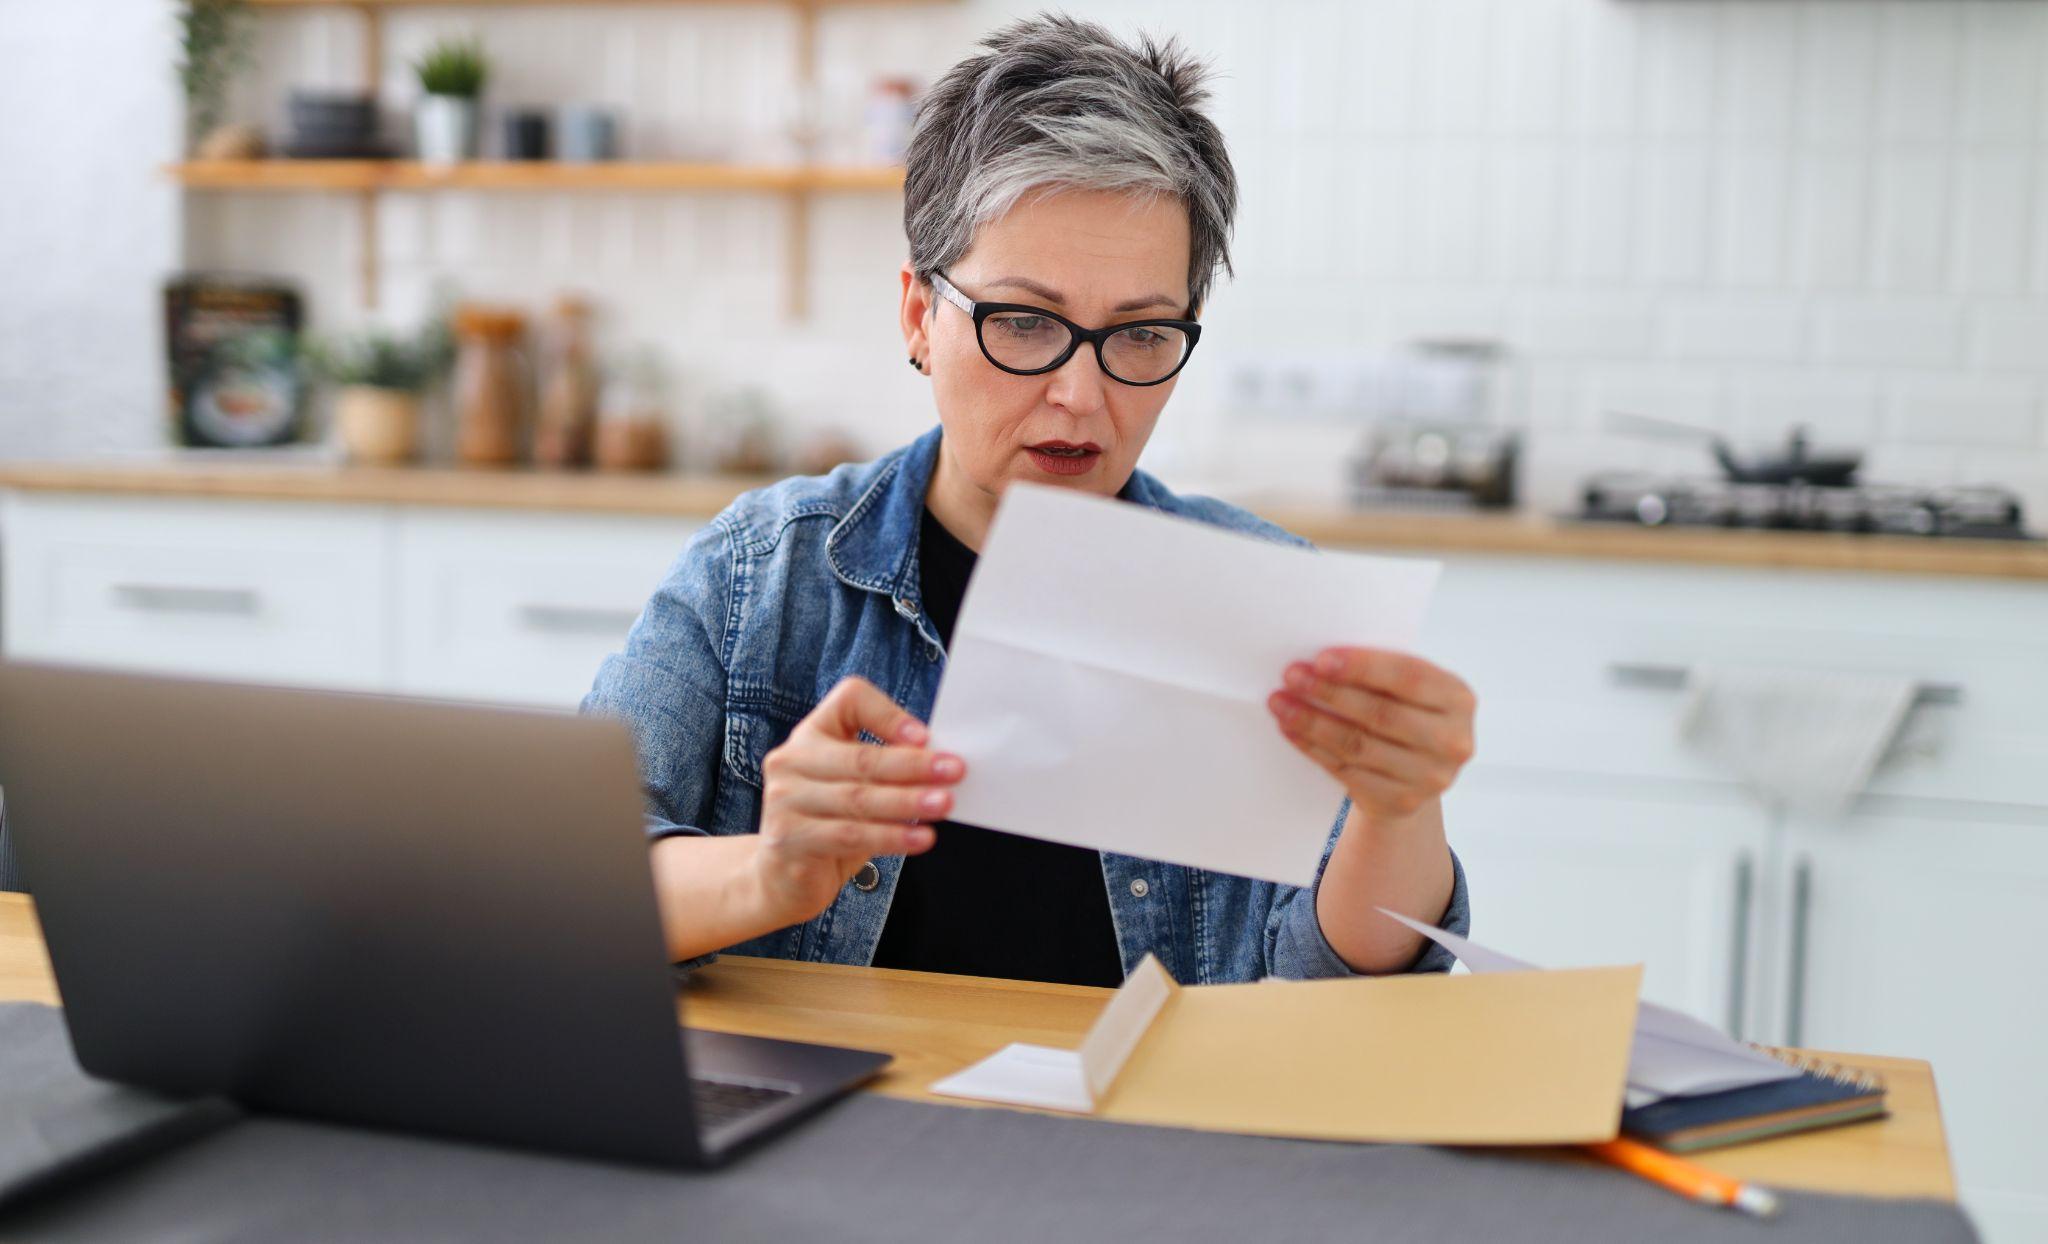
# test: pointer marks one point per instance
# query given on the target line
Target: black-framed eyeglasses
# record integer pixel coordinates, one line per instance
(1029, 341)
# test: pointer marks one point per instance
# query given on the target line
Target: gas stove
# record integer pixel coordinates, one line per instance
(1971, 511)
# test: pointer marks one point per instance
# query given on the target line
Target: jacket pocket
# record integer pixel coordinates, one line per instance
(750, 734)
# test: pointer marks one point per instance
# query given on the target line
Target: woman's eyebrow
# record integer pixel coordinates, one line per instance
(1053, 296)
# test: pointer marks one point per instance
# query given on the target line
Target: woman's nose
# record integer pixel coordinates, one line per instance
(1079, 385)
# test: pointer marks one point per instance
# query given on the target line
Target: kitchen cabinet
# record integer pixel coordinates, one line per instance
(1591, 834)
(1570, 873)
(520, 607)
(264, 591)
(1914, 925)
(502, 606)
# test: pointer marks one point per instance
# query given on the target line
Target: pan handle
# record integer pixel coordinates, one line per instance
(1631, 423)
(1659, 428)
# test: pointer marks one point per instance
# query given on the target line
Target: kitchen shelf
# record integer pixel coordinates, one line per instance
(366, 179)
(540, 175)
(513, 4)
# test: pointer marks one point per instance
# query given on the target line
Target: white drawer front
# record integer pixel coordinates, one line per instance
(1539, 639)
(522, 607)
(259, 591)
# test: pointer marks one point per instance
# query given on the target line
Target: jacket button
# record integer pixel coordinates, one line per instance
(867, 878)
(1140, 888)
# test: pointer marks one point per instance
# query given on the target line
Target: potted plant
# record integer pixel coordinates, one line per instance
(215, 36)
(445, 123)
(380, 377)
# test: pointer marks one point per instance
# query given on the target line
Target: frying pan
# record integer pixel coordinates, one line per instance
(1795, 464)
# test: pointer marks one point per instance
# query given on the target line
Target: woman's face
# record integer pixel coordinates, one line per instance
(1095, 257)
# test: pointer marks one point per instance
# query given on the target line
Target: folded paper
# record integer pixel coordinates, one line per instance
(1108, 678)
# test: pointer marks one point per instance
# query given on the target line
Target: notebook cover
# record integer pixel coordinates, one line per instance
(1770, 1126)
(1806, 1101)
(60, 1126)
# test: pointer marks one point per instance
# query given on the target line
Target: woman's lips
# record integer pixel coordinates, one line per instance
(1061, 458)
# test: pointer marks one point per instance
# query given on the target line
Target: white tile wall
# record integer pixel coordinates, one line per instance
(87, 228)
(1747, 213)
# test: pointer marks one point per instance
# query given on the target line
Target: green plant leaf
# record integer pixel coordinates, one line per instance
(409, 363)
(454, 67)
(215, 37)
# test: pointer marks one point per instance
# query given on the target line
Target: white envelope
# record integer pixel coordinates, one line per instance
(1108, 677)
(1672, 1055)
(1021, 1074)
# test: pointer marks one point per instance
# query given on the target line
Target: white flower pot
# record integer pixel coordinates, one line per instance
(444, 129)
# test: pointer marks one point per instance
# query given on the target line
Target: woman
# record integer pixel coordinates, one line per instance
(1067, 204)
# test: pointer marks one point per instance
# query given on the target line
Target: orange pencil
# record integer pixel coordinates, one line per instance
(1684, 1178)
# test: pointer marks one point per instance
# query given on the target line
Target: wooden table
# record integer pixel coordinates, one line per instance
(935, 1025)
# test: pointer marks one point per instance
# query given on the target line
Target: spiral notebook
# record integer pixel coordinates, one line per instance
(1823, 1094)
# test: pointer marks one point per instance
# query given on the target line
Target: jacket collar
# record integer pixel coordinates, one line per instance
(875, 545)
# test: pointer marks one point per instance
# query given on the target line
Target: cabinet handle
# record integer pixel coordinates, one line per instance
(1661, 677)
(178, 598)
(1675, 678)
(576, 619)
(1795, 978)
(1738, 948)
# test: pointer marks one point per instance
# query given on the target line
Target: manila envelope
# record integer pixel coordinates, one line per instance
(1521, 1058)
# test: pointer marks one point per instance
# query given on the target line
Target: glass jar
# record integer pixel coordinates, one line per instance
(632, 428)
(568, 401)
(490, 386)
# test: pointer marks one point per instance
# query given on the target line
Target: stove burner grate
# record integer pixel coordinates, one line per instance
(1969, 511)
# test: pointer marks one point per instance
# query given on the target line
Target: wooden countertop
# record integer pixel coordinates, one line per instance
(697, 496)
(935, 1025)
(701, 496)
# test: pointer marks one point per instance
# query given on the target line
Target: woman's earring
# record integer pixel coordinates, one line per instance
(915, 364)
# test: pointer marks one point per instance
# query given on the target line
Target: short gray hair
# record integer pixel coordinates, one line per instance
(1060, 103)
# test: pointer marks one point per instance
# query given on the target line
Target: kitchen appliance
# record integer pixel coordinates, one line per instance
(1438, 437)
(1974, 511)
(1438, 464)
(1795, 489)
(1796, 464)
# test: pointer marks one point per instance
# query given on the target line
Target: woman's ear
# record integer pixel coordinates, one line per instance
(915, 314)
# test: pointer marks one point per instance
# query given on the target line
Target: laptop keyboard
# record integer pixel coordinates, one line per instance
(725, 1101)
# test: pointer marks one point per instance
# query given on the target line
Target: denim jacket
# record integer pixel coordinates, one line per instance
(800, 584)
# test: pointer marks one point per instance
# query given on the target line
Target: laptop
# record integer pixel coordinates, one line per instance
(423, 916)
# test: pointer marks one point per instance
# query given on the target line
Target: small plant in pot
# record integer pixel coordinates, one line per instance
(380, 378)
(215, 36)
(445, 122)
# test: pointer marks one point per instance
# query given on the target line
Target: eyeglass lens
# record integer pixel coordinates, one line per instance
(1142, 353)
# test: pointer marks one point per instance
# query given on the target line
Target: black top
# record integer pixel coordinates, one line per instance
(984, 903)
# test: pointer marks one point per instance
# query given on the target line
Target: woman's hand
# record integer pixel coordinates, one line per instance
(829, 801)
(1392, 727)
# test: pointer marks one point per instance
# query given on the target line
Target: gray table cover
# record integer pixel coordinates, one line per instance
(873, 1168)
